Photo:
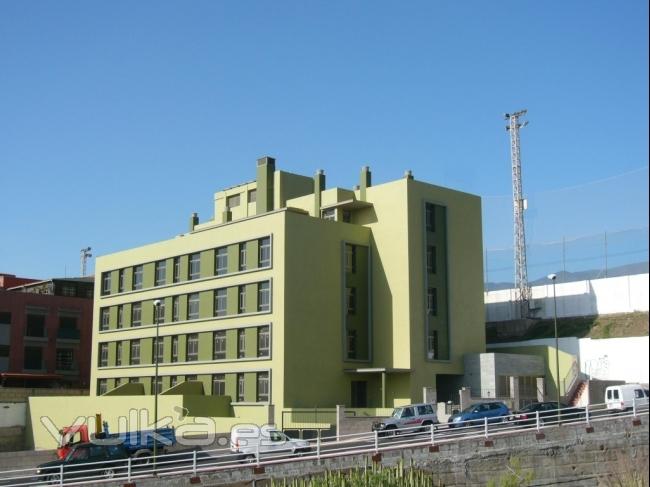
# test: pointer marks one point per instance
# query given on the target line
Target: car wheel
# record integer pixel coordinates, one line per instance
(53, 479)
(109, 473)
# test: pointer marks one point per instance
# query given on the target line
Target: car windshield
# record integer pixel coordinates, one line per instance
(530, 408)
(397, 412)
(470, 409)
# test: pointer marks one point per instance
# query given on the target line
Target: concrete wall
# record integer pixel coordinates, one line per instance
(482, 370)
(620, 359)
(12, 438)
(567, 456)
(623, 294)
(12, 414)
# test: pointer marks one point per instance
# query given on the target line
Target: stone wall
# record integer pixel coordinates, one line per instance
(570, 455)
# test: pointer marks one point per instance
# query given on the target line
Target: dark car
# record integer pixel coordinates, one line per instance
(89, 460)
(475, 414)
(548, 412)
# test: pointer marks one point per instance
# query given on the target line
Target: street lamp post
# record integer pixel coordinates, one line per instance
(553, 277)
(156, 319)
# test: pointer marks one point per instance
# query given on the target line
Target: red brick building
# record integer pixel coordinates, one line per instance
(45, 331)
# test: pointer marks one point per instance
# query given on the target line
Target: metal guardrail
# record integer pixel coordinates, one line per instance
(205, 461)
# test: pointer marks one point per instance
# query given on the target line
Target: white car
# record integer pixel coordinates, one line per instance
(251, 441)
(626, 396)
(405, 417)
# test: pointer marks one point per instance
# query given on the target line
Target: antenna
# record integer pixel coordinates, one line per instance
(85, 255)
(519, 204)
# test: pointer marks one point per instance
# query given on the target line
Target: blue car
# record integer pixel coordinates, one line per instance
(475, 414)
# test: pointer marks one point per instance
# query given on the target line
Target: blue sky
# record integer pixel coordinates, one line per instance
(118, 119)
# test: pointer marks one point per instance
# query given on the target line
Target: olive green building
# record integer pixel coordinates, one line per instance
(298, 295)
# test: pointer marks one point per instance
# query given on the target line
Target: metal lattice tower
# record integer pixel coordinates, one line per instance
(521, 268)
(85, 255)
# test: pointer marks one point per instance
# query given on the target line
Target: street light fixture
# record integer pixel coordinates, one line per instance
(156, 320)
(553, 277)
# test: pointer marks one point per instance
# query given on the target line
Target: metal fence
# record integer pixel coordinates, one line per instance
(265, 451)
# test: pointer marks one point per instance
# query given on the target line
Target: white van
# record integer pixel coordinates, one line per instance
(625, 396)
(248, 440)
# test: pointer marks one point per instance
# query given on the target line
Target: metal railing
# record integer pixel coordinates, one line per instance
(266, 453)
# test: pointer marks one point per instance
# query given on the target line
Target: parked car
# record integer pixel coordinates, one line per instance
(411, 416)
(625, 396)
(250, 440)
(88, 460)
(475, 414)
(548, 412)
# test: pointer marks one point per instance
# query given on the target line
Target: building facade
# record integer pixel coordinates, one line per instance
(297, 295)
(45, 332)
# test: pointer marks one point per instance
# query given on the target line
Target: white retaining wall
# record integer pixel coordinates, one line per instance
(624, 294)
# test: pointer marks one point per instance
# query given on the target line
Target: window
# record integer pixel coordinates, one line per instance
(431, 259)
(189, 378)
(159, 312)
(173, 380)
(219, 385)
(329, 214)
(176, 275)
(36, 326)
(351, 299)
(64, 359)
(221, 261)
(262, 387)
(102, 388)
(241, 343)
(120, 281)
(175, 348)
(194, 271)
(220, 302)
(425, 409)
(105, 319)
(408, 412)
(263, 296)
(156, 385)
(134, 380)
(242, 256)
(176, 303)
(118, 381)
(352, 344)
(350, 258)
(432, 301)
(192, 354)
(5, 318)
(106, 283)
(159, 346)
(103, 354)
(232, 201)
(263, 341)
(68, 291)
(135, 352)
(193, 306)
(242, 300)
(120, 316)
(430, 217)
(118, 354)
(136, 314)
(240, 387)
(161, 273)
(252, 196)
(265, 252)
(219, 345)
(347, 216)
(33, 359)
(432, 345)
(138, 273)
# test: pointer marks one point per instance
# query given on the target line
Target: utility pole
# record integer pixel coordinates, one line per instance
(85, 255)
(519, 205)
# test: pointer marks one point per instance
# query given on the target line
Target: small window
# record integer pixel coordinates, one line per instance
(352, 344)
(351, 299)
(233, 201)
(240, 387)
(616, 394)
(252, 196)
(219, 385)
(102, 388)
(329, 214)
(430, 217)
(242, 256)
(120, 280)
(194, 271)
(262, 387)
(65, 359)
(408, 413)
(176, 306)
(106, 283)
(118, 354)
(176, 276)
(105, 319)
(241, 343)
(136, 314)
(432, 345)
(138, 273)
(242, 300)
(192, 347)
(347, 216)
(193, 306)
(156, 385)
(160, 348)
(135, 352)
(161, 273)
(219, 345)
(265, 252)
(638, 393)
(263, 296)
(120, 316)
(431, 259)
(175, 348)
(263, 341)
(173, 380)
(432, 301)
(350, 258)
(221, 261)
(159, 312)
(220, 302)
